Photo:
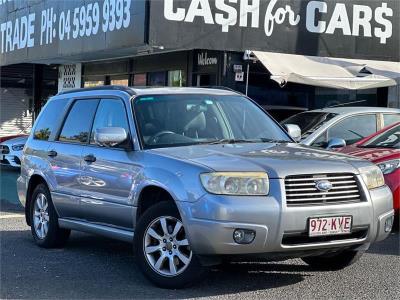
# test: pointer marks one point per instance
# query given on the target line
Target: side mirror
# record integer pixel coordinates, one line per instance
(110, 136)
(334, 143)
(294, 131)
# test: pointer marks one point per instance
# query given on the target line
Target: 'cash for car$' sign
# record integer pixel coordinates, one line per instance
(238, 13)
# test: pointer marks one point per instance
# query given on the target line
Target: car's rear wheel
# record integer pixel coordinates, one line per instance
(335, 261)
(44, 220)
(163, 250)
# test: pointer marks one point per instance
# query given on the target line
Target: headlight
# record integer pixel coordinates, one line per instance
(372, 177)
(18, 147)
(236, 183)
(389, 166)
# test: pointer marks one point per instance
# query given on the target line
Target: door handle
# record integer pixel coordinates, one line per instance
(52, 153)
(90, 158)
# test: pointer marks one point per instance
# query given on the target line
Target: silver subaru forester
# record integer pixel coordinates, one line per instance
(194, 177)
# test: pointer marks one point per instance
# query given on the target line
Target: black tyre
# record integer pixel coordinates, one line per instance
(44, 220)
(333, 262)
(162, 249)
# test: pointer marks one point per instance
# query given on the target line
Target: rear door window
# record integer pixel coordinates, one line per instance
(390, 119)
(77, 125)
(49, 119)
(353, 129)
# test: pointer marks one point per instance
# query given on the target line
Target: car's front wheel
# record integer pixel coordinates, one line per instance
(163, 250)
(335, 261)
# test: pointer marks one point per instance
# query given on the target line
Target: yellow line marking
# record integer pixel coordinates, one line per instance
(12, 216)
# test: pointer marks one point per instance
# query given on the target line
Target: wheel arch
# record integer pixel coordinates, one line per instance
(151, 195)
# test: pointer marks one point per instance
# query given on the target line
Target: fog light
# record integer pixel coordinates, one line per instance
(389, 224)
(244, 236)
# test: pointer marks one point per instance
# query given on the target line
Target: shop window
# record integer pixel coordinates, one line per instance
(176, 78)
(92, 81)
(119, 80)
(157, 78)
(326, 97)
(139, 79)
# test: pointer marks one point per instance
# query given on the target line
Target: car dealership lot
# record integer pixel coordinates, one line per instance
(92, 267)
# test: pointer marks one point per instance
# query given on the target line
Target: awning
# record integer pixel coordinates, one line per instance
(338, 73)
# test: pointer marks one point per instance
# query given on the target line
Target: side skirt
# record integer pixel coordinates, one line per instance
(111, 232)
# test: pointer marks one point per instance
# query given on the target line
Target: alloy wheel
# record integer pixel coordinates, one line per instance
(166, 246)
(41, 216)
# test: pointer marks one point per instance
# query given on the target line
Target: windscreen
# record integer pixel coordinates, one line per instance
(179, 120)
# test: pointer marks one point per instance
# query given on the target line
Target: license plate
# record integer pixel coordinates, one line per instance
(329, 226)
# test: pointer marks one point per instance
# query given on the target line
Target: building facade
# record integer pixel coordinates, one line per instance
(288, 55)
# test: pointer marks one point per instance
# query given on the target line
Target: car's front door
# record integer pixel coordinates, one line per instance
(65, 155)
(108, 172)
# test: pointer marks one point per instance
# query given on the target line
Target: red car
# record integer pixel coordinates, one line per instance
(383, 149)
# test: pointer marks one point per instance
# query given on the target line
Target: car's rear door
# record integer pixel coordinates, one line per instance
(108, 172)
(65, 156)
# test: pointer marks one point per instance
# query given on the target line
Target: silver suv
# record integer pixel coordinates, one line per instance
(193, 177)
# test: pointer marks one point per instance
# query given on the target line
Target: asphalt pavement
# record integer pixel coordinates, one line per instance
(92, 267)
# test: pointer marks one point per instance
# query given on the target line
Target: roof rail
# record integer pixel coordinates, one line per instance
(99, 88)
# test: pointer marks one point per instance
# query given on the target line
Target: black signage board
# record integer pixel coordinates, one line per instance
(53, 30)
(206, 61)
(363, 29)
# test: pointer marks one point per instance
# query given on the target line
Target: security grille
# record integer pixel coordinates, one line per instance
(69, 77)
(302, 189)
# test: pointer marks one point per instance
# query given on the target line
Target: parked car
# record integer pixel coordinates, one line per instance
(9, 137)
(383, 149)
(340, 126)
(192, 176)
(11, 151)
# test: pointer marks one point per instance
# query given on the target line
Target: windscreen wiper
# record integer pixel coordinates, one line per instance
(267, 140)
(243, 141)
(232, 141)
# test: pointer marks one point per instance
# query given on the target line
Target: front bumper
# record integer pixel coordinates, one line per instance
(211, 220)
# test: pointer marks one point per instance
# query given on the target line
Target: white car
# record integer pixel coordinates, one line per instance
(340, 126)
(11, 151)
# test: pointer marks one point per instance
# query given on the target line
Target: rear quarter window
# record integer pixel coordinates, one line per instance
(390, 119)
(49, 119)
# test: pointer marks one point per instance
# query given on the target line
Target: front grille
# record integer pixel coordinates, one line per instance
(302, 238)
(4, 149)
(302, 190)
